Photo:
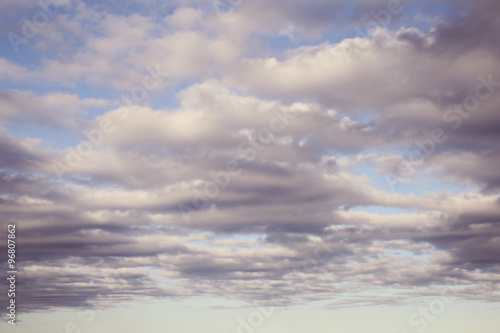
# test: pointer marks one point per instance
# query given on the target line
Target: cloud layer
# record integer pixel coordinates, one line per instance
(245, 150)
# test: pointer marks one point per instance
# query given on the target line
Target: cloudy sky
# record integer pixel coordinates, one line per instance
(240, 166)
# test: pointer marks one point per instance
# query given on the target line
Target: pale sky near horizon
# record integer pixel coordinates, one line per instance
(241, 166)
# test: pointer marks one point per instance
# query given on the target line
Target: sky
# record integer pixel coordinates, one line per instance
(241, 166)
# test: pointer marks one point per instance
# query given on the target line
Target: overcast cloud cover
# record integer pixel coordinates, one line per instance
(320, 154)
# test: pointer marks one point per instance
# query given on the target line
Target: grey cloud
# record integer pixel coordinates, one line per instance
(291, 227)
